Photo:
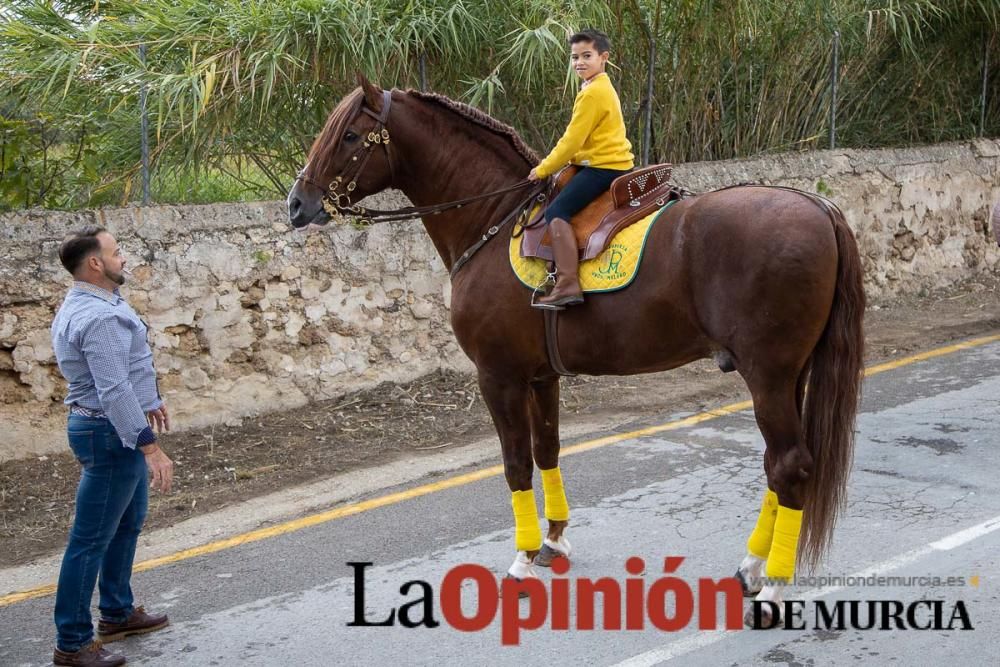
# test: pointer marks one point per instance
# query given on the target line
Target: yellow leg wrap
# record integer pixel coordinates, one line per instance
(759, 543)
(556, 507)
(781, 560)
(527, 534)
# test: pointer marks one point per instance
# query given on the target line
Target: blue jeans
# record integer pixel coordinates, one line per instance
(110, 509)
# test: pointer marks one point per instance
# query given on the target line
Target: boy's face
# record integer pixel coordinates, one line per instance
(586, 60)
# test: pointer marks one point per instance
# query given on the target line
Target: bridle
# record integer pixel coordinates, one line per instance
(336, 201)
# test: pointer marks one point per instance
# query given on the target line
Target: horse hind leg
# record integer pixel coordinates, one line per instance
(543, 410)
(751, 570)
(773, 544)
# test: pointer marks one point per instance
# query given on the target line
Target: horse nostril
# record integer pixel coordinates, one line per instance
(294, 206)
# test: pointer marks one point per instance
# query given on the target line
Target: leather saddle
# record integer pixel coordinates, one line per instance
(631, 198)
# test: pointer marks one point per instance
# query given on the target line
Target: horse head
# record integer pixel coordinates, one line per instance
(350, 159)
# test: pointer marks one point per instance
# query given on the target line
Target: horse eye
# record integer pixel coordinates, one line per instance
(350, 136)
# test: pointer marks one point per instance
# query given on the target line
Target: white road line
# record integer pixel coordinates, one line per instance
(676, 649)
(703, 639)
(967, 535)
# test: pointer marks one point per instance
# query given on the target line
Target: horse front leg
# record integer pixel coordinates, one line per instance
(507, 401)
(543, 408)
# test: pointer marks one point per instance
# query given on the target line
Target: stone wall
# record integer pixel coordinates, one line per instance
(247, 317)
(920, 214)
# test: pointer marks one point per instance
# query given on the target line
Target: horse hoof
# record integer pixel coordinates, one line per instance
(546, 556)
(767, 621)
(747, 592)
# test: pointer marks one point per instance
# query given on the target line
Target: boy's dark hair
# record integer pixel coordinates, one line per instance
(600, 40)
(78, 246)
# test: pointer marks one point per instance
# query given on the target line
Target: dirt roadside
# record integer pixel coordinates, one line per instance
(222, 466)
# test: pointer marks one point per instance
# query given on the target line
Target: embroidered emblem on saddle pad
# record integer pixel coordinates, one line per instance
(613, 269)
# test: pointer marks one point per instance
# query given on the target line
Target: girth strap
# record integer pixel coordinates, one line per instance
(552, 343)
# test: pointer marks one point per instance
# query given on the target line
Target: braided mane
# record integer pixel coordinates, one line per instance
(326, 143)
(482, 119)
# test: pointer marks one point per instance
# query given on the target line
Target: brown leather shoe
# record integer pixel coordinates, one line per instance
(91, 655)
(139, 623)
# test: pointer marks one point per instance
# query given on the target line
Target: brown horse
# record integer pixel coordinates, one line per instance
(767, 280)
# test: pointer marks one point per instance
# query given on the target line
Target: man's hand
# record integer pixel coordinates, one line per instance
(161, 468)
(159, 419)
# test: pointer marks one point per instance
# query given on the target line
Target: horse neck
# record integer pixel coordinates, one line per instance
(447, 158)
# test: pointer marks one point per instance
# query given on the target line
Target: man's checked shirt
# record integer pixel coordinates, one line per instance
(100, 345)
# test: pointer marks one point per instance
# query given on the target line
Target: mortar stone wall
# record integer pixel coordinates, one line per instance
(247, 317)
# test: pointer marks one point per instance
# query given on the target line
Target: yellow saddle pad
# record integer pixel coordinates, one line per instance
(612, 270)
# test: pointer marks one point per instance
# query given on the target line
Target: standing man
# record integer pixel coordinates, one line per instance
(100, 345)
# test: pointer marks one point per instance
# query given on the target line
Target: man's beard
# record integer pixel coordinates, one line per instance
(117, 278)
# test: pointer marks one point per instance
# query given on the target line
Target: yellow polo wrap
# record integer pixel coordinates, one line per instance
(784, 546)
(527, 534)
(759, 543)
(556, 506)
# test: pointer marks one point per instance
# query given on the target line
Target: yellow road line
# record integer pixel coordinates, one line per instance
(930, 354)
(470, 477)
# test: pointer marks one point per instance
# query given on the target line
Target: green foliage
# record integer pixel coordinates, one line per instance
(47, 159)
(238, 89)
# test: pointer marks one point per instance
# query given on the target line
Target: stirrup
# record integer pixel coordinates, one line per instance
(560, 304)
(545, 306)
(550, 279)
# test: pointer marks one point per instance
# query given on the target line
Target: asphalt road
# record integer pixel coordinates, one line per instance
(924, 502)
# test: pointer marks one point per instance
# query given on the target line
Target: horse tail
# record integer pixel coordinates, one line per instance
(830, 405)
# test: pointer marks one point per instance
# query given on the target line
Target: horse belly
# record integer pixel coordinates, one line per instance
(644, 328)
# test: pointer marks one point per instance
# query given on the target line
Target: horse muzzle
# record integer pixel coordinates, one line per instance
(305, 211)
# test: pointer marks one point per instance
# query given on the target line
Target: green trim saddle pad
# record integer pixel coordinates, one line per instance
(613, 269)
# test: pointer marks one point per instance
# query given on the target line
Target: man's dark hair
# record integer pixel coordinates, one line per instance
(78, 246)
(600, 40)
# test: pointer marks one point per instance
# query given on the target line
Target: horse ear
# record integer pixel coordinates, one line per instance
(373, 95)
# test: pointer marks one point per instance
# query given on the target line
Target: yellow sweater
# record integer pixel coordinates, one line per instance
(595, 136)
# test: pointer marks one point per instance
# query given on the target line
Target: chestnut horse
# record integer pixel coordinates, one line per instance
(766, 280)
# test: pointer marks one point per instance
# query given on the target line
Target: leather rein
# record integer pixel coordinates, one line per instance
(335, 200)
